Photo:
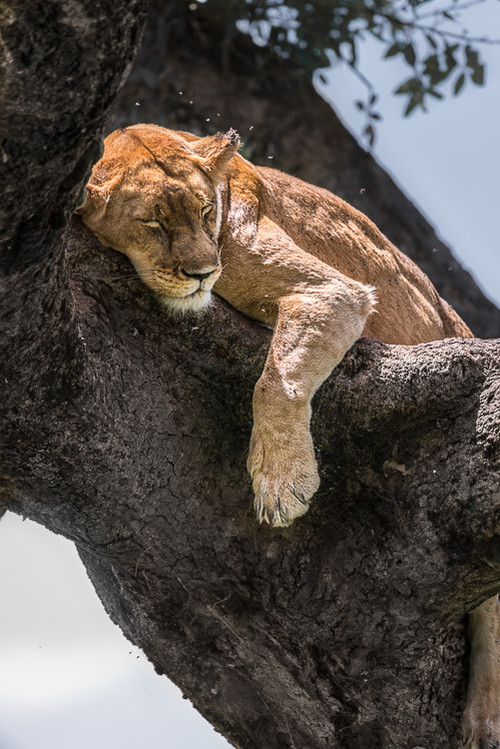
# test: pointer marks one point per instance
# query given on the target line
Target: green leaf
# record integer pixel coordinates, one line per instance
(459, 84)
(478, 75)
(395, 49)
(410, 86)
(450, 56)
(471, 57)
(410, 55)
(416, 99)
(431, 65)
(411, 106)
(433, 71)
(431, 41)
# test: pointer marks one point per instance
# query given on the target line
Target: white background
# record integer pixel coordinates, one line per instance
(68, 678)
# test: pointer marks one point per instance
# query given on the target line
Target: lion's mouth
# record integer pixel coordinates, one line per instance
(193, 301)
(196, 292)
(180, 292)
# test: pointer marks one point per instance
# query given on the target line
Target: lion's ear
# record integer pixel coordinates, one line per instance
(93, 205)
(216, 150)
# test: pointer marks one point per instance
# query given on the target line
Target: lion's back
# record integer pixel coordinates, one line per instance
(409, 308)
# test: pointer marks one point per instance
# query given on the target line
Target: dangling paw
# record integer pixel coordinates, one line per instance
(482, 731)
(284, 474)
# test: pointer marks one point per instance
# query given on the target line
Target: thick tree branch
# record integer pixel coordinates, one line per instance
(352, 612)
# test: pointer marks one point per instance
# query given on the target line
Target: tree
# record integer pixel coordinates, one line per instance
(126, 431)
(428, 37)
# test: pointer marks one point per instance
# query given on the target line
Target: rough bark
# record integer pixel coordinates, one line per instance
(126, 431)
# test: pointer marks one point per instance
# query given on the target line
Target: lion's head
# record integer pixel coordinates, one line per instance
(154, 196)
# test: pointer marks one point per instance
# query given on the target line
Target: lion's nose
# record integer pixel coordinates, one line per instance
(199, 276)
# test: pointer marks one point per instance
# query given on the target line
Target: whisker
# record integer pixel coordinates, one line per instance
(108, 277)
(127, 277)
(130, 277)
(144, 274)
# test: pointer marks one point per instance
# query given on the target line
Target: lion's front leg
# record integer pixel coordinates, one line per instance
(314, 329)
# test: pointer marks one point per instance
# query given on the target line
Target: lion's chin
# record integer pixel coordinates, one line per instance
(181, 305)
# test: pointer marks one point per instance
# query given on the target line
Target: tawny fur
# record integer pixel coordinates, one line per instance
(481, 723)
(298, 259)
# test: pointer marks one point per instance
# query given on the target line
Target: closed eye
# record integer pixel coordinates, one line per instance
(153, 223)
(206, 209)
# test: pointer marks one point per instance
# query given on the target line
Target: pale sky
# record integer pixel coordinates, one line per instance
(68, 678)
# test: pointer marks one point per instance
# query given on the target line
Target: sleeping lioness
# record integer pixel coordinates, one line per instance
(193, 216)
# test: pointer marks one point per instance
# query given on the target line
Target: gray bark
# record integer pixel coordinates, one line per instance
(126, 431)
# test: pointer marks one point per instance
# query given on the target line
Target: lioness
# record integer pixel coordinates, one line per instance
(193, 216)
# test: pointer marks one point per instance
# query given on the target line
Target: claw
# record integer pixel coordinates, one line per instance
(489, 741)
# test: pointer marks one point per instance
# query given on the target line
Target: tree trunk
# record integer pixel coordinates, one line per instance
(126, 431)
